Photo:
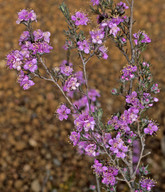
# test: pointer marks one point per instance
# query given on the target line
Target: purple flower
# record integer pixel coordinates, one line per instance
(15, 60)
(31, 65)
(132, 99)
(66, 68)
(38, 35)
(93, 94)
(71, 84)
(128, 73)
(91, 150)
(109, 176)
(98, 167)
(118, 147)
(25, 81)
(117, 20)
(114, 122)
(84, 46)
(46, 36)
(108, 173)
(81, 146)
(147, 184)
(80, 18)
(25, 53)
(40, 47)
(103, 51)
(132, 114)
(95, 2)
(24, 37)
(27, 16)
(63, 112)
(97, 36)
(75, 137)
(82, 102)
(105, 138)
(128, 117)
(84, 121)
(122, 5)
(26, 45)
(147, 100)
(113, 28)
(42, 36)
(151, 128)
(80, 77)
(141, 37)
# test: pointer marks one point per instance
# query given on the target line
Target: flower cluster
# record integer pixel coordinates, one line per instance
(151, 128)
(147, 100)
(155, 88)
(26, 16)
(24, 80)
(122, 6)
(80, 18)
(82, 103)
(117, 146)
(71, 84)
(95, 2)
(66, 68)
(147, 184)
(97, 36)
(32, 44)
(113, 28)
(63, 112)
(84, 46)
(141, 37)
(128, 73)
(108, 173)
(84, 122)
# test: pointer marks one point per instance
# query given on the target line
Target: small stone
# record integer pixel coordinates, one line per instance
(18, 184)
(20, 145)
(26, 168)
(2, 177)
(35, 186)
(32, 142)
(56, 162)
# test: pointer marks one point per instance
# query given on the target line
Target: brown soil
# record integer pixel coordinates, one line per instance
(33, 142)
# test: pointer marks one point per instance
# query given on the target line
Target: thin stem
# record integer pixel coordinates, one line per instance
(118, 167)
(125, 179)
(41, 77)
(98, 184)
(128, 2)
(130, 32)
(146, 154)
(142, 140)
(55, 82)
(86, 61)
(119, 179)
(85, 76)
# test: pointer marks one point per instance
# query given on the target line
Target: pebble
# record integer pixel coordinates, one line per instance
(35, 186)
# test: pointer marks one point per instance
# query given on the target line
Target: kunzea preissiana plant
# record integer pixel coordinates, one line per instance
(113, 144)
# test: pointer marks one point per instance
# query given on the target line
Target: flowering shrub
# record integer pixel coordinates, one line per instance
(113, 143)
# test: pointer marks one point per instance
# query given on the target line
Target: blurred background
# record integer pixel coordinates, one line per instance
(35, 152)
